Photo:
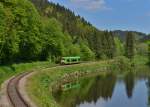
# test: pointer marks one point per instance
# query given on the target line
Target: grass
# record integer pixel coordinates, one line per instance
(9, 71)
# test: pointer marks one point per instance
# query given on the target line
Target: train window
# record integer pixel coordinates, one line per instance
(68, 85)
(74, 60)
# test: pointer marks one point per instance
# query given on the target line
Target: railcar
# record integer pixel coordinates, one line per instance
(70, 60)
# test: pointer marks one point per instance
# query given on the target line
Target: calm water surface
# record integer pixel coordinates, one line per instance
(108, 91)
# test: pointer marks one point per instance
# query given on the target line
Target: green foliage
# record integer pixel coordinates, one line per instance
(140, 60)
(53, 39)
(142, 49)
(149, 52)
(29, 31)
(74, 50)
(22, 31)
(9, 40)
(81, 31)
(119, 47)
(26, 36)
(130, 45)
(86, 53)
(2, 30)
(102, 43)
(123, 63)
(52, 32)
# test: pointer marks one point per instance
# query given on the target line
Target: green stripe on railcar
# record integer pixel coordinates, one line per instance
(70, 60)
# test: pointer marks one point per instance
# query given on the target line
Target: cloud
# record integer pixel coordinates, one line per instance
(91, 4)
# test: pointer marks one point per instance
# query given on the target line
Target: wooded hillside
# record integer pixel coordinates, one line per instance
(100, 42)
(48, 32)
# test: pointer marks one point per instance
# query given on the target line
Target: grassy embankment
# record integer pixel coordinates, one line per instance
(141, 65)
(9, 71)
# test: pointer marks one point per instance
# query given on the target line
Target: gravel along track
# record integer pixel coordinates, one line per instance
(13, 91)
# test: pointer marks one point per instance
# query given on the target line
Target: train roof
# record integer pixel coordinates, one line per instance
(72, 57)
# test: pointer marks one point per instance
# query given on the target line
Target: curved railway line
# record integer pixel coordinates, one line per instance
(14, 95)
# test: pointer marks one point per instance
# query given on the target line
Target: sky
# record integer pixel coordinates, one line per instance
(112, 14)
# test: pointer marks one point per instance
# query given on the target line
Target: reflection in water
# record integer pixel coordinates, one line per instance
(91, 90)
(107, 91)
(100, 88)
(148, 86)
(129, 83)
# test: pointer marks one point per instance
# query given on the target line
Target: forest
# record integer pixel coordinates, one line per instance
(38, 30)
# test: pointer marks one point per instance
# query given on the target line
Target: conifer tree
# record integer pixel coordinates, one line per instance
(129, 48)
(149, 52)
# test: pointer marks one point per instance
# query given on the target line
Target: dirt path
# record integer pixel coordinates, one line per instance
(4, 101)
(23, 92)
(8, 89)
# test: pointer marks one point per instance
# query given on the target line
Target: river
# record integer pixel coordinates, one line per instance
(109, 90)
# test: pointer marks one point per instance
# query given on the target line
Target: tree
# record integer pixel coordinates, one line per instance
(129, 48)
(28, 25)
(52, 40)
(86, 53)
(119, 47)
(110, 44)
(142, 49)
(149, 52)
(21, 31)
(2, 30)
(8, 36)
(74, 50)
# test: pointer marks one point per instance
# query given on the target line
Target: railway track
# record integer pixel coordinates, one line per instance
(13, 91)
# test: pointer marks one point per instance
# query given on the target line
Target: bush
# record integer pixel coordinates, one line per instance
(123, 63)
